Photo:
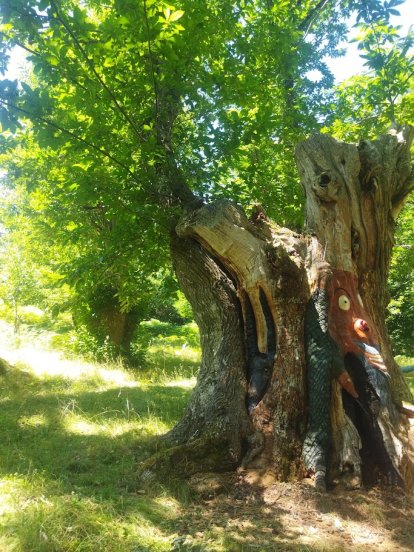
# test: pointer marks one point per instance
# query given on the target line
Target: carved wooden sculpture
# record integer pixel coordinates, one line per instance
(342, 344)
(350, 207)
(297, 373)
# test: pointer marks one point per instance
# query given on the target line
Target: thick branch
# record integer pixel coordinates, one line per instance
(306, 24)
(224, 229)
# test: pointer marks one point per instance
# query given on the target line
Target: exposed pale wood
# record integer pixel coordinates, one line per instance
(224, 229)
(346, 440)
(329, 173)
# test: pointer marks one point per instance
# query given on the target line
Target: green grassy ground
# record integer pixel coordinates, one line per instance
(71, 437)
(407, 361)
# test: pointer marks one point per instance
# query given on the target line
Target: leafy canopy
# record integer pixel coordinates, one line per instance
(136, 108)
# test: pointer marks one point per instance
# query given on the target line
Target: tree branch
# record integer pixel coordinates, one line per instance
(307, 22)
(91, 66)
(154, 80)
(151, 193)
(21, 45)
(51, 124)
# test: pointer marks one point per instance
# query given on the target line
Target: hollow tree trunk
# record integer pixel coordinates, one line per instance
(353, 196)
(297, 374)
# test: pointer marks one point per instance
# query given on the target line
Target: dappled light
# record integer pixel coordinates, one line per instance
(72, 436)
(51, 364)
(70, 450)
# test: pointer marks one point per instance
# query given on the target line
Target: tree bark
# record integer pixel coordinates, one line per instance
(108, 322)
(217, 407)
(297, 374)
(353, 195)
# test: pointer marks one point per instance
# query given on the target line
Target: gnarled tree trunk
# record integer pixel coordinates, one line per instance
(297, 373)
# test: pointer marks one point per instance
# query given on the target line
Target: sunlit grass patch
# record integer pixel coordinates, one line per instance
(51, 365)
(39, 514)
(173, 352)
(148, 426)
(12, 493)
(72, 436)
(33, 421)
(167, 363)
(404, 360)
(77, 523)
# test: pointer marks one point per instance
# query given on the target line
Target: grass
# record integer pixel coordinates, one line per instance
(407, 361)
(72, 435)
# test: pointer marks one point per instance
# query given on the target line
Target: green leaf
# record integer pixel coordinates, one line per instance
(26, 87)
(4, 119)
(53, 60)
(176, 15)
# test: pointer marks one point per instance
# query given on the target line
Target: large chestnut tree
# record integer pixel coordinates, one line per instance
(184, 124)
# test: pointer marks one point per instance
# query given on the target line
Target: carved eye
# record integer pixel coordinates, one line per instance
(344, 303)
(324, 180)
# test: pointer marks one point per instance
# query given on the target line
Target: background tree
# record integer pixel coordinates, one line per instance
(400, 309)
(121, 113)
(62, 224)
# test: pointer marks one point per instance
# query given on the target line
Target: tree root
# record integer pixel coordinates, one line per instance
(209, 454)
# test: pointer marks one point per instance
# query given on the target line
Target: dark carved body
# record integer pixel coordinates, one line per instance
(319, 363)
(373, 394)
(260, 370)
(259, 365)
(339, 344)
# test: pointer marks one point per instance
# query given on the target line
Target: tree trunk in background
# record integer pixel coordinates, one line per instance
(109, 322)
(120, 327)
(297, 374)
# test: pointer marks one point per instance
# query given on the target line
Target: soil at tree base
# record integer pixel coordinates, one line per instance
(254, 512)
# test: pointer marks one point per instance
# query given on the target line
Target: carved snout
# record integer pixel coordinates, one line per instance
(361, 325)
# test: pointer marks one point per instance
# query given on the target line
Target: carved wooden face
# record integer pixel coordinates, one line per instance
(349, 323)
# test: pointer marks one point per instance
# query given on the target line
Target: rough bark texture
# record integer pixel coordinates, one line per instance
(217, 405)
(297, 373)
(353, 196)
(267, 268)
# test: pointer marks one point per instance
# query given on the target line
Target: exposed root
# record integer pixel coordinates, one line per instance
(201, 455)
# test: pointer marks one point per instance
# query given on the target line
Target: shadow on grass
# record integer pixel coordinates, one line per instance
(294, 518)
(46, 427)
(78, 453)
(388, 509)
(84, 447)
